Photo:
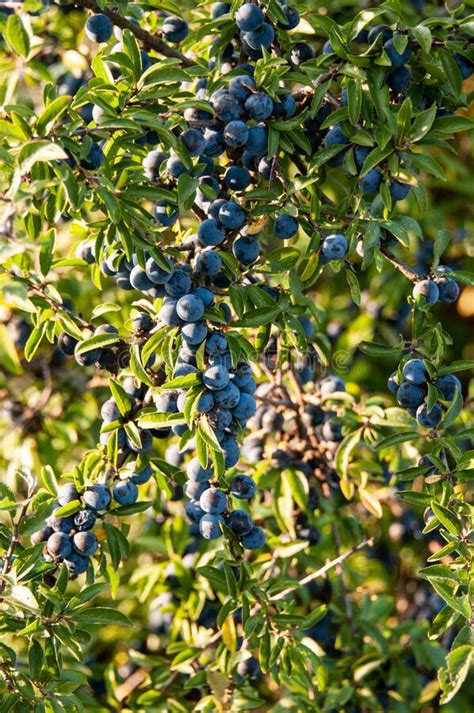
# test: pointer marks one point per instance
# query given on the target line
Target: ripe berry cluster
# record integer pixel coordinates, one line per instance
(224, 149)
(439, 288)
(67, 536)
(222, 389)
(419, 391)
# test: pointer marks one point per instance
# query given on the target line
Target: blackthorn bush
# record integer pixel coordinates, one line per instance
(235, 425)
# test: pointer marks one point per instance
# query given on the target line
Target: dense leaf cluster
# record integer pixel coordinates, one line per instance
(223, 229)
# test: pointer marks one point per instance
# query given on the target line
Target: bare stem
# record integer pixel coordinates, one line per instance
(401, 266)
(322, 570)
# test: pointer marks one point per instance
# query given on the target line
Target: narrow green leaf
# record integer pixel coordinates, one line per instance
(16, 35)
(154, 420)
(102, 616)
(395, 439)
(37, 152)
(447, 518)
(52, 114)
(121, 398)
(96, 342)
(34, 341)
(258, 317)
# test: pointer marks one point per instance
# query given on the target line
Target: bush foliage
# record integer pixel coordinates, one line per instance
(236, 437)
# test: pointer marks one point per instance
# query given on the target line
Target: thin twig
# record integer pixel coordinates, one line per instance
(273, 402)
(322, 570)
(401, 266)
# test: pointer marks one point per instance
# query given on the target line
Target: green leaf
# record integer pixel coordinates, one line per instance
(159, 74)
(257, 317)
(282, 259)
(379, 350)
(354, 287)
(12, 131)
(95, 342)
(465, 475)
(447, 518)
(152, 193)
(422, 123)
(316, 616)
(444, 573)
(428, 164)
(154, 420)
(458, 665)
(201, 449)
(454, 409)
(218, 461)
(441, 242)
(153, 344)
(459, 604)
(37, 152)
(451, 70)
(133, 434)
(215, 576)
(34, 341)
(422, 35)
(182, 382)
(462, 365)
(453, 124)
(125, 510)
(137, 366)
(375, 157)
(345, 449)
(354, 99)
(52, 114)
(47, 251)
(88, 593)
(409, 496)
(35, 659)
(48, 479)
(466, 278)
(230, 580)
(187, 186)
(102, 616)
(104, 308)
(208, 434)
(443, 620)
(16, 35)
(68, 509)
(395, 439)
(444, 551)
(398, 230)
(132, 50)
(117, 544)
(111, 203)
(404, 117)
(121, 398)
(69, 326)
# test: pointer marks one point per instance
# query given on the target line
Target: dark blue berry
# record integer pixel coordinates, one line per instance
(99, 28)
